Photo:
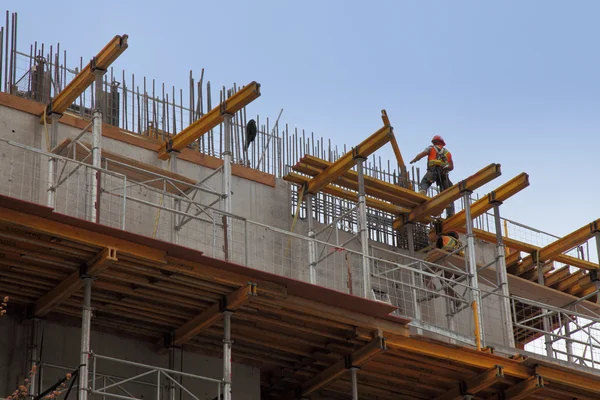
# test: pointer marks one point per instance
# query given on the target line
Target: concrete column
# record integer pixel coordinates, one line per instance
(502, 281)
(312, 246)
(471, 262)
(364, 231)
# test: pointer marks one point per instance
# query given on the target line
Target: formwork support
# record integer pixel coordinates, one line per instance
(94, 175)
(312, 245)
(34, 354)
(502, 280)
(53, 138)
(174, 202)
(364, 230)
(227, 132)
(227, 355)
(545, 319)
(86, 319)
(172, 368)
(410, 237)
(353, 373)
(471, 261)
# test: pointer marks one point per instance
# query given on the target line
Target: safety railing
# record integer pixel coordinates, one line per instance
(157, 381)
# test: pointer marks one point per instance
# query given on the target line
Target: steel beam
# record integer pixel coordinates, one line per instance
(349, 160)
(437, 204)
(525, 388)
(61, 102)
(334, 372)
(209, 316)
(559, 246)
(210, 120)
(486, 203)
(475, 384)
(73, 283)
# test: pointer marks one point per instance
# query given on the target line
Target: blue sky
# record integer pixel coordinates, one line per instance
(513, 82)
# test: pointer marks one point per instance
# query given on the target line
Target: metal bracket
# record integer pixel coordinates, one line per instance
(94, 66)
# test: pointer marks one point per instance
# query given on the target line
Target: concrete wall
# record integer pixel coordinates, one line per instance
(61, 346)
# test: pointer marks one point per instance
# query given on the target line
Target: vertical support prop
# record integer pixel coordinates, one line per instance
(364, 230)
(52, 140)
(174, 202)
(34, 355)
(227, 355)
(93, 203)
(546, 319)
(354, 372)
(312, 251)
(502, 281)
(227, 159)
(86, 320)
(414, 278)
(471, 262)
(172, 387)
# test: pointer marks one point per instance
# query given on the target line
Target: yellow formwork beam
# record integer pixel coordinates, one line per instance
(529, 248)
(486, 203)
(559, 246)
(401, 166)
(210, 120)
(311, 165)
(349, 160)
(436, 204)
(61, 102)
(301, 180)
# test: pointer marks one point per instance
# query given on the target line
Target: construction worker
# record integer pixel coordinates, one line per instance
(439, 164)
(449, 242)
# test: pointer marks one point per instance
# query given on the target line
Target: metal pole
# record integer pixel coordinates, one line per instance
(93, 205)
(502, 281)
(312, 251)
(226, 355)
(85, 337)
(364, 230)
(569, 343)
(52, 162)
(353, 371)
(471, 261)
(172, 387)
(34, 355)
(174, 202)
(413, 275)
(227, 132)
(546, 320)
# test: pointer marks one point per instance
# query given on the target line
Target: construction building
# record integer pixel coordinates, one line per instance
(149, 254)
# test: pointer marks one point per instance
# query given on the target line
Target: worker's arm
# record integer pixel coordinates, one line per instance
(419, 156)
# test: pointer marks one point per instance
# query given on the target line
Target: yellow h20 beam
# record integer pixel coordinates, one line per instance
(485, 204)
(84, 79)
(349, 160)
(210, 120)
(559, 246)
(441, 201)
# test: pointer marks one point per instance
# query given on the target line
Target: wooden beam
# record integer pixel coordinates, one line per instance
(349, 160)
(356, 359)
(83, 79)
(209, 316)
(559, 246)
(525, 388)
(486, 203)
(436, 204)
(530, 248)
(73, 283)
(401, 165)
(210, 120)
(475, 384)
(336, 191)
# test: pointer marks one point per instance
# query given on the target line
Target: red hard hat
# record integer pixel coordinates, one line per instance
(438, 138)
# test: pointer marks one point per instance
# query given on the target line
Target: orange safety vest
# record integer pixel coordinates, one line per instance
(450, 244)
(438, 157)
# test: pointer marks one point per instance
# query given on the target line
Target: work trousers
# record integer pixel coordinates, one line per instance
(439, 176)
